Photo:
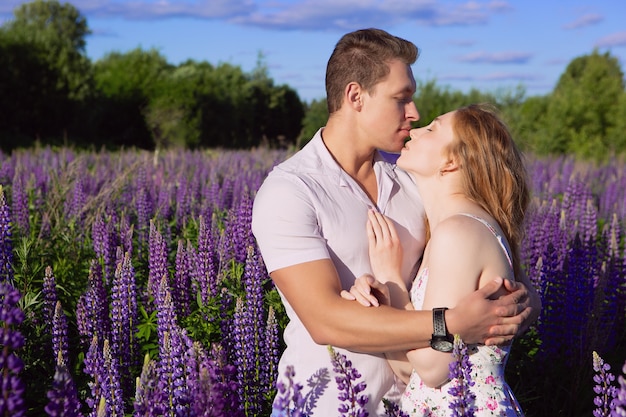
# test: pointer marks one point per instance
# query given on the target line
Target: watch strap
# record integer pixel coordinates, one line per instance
(439, 322)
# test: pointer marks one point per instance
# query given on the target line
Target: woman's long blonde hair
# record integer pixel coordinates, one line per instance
(493, 170)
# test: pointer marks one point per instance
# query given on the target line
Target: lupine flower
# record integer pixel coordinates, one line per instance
(157, 261)
(111, 385)
(289, 402)
(6, 247)
(462, 404)
(205, 276)
(49, 291)
(63, 396)
(172, 352)
(149, 397)
(605, 391)
(20, 204)
(124, 319)
(346, 376)
(214, 394)
(104, 244)
(144, 203)
(60, 342)
(92, 311)
(11, 386)
(269, 364)
(182, 281)
(392, 409)
(94, 367)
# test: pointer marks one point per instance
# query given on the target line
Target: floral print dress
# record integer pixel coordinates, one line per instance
(493, 395)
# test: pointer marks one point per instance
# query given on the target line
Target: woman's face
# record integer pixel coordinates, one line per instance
(426, 153)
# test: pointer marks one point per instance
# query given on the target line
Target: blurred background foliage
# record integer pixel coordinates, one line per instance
(51, 93)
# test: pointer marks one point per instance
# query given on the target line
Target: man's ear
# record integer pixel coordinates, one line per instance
(354, 95)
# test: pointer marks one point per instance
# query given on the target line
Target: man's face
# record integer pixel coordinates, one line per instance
(388, 109)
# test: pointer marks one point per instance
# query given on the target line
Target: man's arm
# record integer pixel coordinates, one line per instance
(313, 290)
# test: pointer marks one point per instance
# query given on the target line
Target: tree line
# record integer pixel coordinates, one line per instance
(50, 92)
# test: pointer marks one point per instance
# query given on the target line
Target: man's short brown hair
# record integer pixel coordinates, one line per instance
(363, 56)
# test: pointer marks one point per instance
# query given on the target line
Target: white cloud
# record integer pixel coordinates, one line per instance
(496, 57)
(584, 21)
(615, 39)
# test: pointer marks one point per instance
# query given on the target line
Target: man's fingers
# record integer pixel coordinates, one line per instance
(490, 288)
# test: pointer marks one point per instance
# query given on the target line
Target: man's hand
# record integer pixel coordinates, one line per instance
(478, 319)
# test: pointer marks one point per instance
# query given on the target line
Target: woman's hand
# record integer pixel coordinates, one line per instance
(368, 291)
(385, 249)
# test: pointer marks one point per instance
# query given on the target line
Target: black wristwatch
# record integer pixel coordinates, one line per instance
(441, 340)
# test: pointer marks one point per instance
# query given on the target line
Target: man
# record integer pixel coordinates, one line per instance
(309, 220)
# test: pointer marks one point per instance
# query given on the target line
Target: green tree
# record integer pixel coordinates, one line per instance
(59, 31)
(584, 106)
(46, 40)
(315, 116)
(125, 83)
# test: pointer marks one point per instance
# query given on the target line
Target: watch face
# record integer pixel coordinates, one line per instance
(441, 344)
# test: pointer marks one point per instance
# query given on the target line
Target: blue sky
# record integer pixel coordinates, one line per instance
(488, 45)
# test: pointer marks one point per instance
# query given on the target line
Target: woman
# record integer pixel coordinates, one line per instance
(473, 184)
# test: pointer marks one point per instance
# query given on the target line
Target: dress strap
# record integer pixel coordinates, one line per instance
(498, 236)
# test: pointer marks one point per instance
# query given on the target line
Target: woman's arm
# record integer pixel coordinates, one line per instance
(455, 261)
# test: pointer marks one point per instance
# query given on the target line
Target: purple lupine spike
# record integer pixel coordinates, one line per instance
(461, 383)
(248, 346)
(289, 402)
(74, 206)
(269, 365)
(241, 231)
(126, 235)
(49, 291)
(60, 341)
(172, 351)
(157, 260)
(205, 262)
(111, 385)
(226, 194)
(94, 367)
(92, 311)
(144, 203)
(6, 247)
(11, 386)
(63, 396)
(242, 356)
(580, 269)
(19, 204)
(182, 202)
(124, 320)
(215, 392)
(104, 244)
(149, 397)
(353, 403)
(552, 318)
(182, 281)
(604, 389)
(392, 409)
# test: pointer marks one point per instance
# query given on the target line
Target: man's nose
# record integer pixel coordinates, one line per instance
(411, 112)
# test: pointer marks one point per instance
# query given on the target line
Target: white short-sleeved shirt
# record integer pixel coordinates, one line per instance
(308, 209)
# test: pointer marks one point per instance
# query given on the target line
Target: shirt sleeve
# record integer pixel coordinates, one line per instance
(284, 223)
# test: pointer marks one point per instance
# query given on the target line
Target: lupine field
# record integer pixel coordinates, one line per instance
(130, 284)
